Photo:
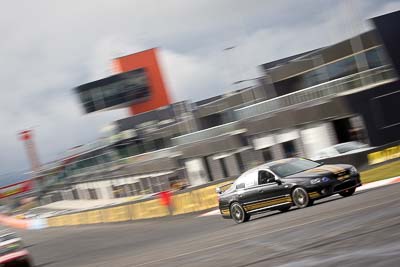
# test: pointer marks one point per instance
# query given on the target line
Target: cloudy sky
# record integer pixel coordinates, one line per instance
(49, 47)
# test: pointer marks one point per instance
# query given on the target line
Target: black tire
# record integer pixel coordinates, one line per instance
(348, 192)
(300, 197)
(238, 214)
(285, 209)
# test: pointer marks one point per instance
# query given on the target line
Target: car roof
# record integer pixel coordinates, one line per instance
(268, 165)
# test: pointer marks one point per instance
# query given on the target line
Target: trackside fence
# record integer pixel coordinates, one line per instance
(199, 199)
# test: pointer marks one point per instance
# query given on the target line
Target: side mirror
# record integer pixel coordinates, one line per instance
(218, 190)
(274, 180)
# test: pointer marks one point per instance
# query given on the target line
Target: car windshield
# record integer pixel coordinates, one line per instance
(349, 146)
(293, 166)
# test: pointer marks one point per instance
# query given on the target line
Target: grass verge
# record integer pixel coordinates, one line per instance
(382, 172)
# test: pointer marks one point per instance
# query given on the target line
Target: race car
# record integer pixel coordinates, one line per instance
(281, 184)
(12, 251)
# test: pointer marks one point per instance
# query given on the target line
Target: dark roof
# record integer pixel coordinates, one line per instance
(285, 60)
(208, 100)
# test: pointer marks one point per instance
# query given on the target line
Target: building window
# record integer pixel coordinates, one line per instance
(342, 68)
(243, 140)
(75, 194)
(92, 193)
(343, 130)
(240, 163)
(289, 149)
(376, 57)
(223, 167)
(149, 146)
(267, 154)
(208, 169)
(133, 150)
(159, 143)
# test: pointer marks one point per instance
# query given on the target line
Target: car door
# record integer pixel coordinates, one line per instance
(245, 188)
(270, 190)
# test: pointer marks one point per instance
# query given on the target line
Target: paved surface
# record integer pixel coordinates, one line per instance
(355, 231)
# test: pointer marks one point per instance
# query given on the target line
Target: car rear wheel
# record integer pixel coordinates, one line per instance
(300, 197)
(238, 214)
(348, 192)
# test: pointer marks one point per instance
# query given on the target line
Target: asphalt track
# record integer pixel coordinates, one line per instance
(362, 230)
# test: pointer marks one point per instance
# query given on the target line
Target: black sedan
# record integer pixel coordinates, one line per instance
(281, 184)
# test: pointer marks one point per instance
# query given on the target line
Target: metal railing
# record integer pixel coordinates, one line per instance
(327, 89)
(205, 134)
(106, 169)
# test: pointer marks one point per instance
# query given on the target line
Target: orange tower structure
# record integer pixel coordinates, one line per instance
(158, 92)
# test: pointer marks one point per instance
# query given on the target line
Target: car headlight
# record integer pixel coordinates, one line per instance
(353, 171)
(319, 180)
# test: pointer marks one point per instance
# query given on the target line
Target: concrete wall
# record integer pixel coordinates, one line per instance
(196, 171)
(317, 136)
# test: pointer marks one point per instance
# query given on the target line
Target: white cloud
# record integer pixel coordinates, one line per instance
(191, 76)
(49, 47)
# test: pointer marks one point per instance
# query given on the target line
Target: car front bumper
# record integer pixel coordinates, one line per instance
(334, 186)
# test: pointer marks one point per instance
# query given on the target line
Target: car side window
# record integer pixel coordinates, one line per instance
(246, 181)
(240, 186)
(250, 180)
(265, 177)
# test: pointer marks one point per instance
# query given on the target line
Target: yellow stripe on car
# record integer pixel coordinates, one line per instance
(314, 194)
(267, 203)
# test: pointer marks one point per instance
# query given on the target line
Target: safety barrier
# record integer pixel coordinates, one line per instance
(368, 159)
(185, 202)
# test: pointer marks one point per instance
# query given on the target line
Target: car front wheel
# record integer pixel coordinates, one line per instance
(348, 192)
(300, 197)
(238, 214)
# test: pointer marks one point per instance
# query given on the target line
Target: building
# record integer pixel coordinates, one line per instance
(303, 103)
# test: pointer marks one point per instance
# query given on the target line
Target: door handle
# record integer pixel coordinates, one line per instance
(261, 191)
(240, 195)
